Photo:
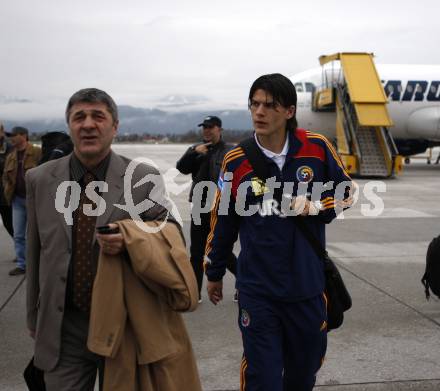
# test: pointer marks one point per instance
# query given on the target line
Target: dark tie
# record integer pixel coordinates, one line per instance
(83, 265)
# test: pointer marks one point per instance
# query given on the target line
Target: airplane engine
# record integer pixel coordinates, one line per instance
(425, 123)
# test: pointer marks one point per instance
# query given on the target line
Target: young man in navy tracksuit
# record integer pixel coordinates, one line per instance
(280, 279)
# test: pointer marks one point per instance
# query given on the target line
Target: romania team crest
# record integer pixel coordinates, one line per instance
(304, 174)
(245, 318)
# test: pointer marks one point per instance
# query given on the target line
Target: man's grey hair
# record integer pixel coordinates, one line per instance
(92, 95)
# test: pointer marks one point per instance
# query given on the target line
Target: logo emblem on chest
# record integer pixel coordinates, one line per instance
(304, 174)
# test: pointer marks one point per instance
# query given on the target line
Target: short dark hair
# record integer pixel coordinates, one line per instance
(93, 95)
(19, 130)
(282, 90)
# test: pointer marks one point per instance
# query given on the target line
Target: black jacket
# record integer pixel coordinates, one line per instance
(203, 167)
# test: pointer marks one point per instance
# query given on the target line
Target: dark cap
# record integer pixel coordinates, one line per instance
(17, 130)
(212, 120)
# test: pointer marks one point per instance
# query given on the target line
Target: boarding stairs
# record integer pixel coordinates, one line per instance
(372, 158)
(362, 120)
(365, 142)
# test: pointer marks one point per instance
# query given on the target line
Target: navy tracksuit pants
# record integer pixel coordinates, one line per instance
(284, 343)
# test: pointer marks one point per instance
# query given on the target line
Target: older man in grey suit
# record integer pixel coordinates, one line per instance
(63, 248)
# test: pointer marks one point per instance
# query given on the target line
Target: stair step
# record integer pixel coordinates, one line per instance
(372, 162)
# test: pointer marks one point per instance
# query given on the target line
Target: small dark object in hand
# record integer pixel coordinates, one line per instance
(105, 230)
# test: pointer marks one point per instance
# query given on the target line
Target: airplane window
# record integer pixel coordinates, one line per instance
(299, 87)
(409, 88)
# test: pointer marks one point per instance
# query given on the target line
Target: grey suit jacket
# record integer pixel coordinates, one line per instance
(49, 241)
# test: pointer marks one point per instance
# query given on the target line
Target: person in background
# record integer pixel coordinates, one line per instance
(55, 145)
(24, 157)
(203, 161)
(5, 209)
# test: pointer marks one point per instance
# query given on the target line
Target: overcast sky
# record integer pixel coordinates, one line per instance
(145, 52)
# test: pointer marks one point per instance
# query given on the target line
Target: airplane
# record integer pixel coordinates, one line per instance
(413, 93)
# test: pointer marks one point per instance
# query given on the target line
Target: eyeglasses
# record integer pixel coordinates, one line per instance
(254, 105)
(207, 126)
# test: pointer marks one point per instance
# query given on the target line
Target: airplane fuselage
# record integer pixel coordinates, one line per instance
(413, 93)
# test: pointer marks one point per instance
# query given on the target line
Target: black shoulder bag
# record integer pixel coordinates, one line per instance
(338, 297)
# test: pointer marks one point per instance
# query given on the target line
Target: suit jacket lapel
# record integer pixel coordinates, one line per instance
(61, 173)
(115, 180)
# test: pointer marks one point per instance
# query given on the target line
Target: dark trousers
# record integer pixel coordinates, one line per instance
(284, 343)
(199, 236)
(6, 213)
(77, 367)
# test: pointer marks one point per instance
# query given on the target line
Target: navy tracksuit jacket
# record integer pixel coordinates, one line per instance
(278, 271)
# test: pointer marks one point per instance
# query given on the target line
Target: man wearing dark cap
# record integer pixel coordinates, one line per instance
(203, 161)
(22, 158)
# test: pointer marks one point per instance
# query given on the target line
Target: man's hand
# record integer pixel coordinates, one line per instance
(111, 244)
(352, 197)
(215, 291)
(344, 204)
(301, 205)
(202, 148)
(306, 209)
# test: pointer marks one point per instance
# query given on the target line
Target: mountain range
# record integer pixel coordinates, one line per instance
(153, 121)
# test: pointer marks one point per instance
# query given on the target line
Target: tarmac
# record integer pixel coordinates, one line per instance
(390, 339)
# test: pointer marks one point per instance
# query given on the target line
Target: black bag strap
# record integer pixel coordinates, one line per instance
(314, 242)
(257, 159)
(426, 285)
